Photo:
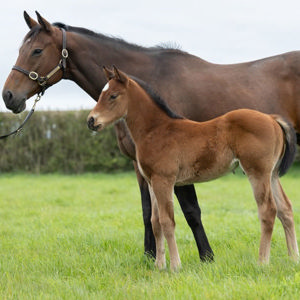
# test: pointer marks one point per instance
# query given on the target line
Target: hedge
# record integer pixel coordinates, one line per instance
(58, 142)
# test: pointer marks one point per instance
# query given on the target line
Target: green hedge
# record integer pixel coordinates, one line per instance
(58, 142)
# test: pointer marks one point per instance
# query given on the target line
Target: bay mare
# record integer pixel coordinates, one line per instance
(191, 86)
(171, 150)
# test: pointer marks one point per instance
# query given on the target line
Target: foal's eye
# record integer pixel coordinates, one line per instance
(114, 96)
(37, 52)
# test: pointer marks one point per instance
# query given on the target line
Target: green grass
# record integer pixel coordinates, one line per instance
(81, 237)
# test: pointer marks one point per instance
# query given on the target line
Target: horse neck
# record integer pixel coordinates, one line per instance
(143, 115)
(87, 55)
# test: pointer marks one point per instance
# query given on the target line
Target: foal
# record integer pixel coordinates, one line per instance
(176, 151)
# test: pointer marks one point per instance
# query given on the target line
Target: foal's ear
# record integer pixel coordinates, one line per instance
(29, 21)
(109, 74)
(119, 75)
(43, 22)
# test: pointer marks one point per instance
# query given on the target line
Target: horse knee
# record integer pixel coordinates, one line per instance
(155, 223)
(146, 205)
(268, 219)
(286, 218)
(168, 227)
(147, 217)
(193, 217)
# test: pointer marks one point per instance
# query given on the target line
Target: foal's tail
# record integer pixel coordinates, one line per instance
(290, 145)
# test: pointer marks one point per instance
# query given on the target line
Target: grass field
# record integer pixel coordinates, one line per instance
(81, 237)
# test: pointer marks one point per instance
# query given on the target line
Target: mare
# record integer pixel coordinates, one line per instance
(171, 150)
(192, 87)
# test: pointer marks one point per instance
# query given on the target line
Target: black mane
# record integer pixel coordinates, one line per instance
(156, 98)
(166, 46)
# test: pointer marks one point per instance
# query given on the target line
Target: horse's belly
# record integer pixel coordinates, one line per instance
(201, 175)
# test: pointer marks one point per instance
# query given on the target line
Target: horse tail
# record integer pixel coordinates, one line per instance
(290, 141)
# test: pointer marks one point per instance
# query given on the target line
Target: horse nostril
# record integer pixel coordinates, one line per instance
(7, 96)
(91, 122)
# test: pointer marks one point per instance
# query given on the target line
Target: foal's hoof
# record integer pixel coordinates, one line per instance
(161, 265)
(295, 257)
(176, 268)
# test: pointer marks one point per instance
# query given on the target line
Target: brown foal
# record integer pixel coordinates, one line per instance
(173, 151)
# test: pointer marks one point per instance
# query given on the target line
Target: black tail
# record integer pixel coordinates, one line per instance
(290, 145)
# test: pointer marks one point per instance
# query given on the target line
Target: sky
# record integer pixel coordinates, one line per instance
(219, 31)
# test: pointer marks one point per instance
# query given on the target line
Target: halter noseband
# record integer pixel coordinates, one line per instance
(42, 80)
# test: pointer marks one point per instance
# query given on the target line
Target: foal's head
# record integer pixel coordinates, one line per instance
(112, 103)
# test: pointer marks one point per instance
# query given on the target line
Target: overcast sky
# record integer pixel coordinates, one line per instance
(218, 31)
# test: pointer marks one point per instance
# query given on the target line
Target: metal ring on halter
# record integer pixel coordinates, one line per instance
(38, 98)
(33, 75)
(42, 81)
(64, 53)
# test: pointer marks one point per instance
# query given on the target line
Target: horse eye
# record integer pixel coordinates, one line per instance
(114, 96)
(37, 52)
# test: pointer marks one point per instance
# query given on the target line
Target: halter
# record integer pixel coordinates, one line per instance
(41, 80)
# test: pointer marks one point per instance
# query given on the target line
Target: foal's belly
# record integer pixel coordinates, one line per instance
(192, 175)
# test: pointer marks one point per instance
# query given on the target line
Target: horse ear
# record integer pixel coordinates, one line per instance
(29, 21)
(119, 75)
(43, 22)
(108, 73)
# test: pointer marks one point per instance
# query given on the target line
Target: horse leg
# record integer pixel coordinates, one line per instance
(261, 186)
(163, 190)
(149, 240)
(285, 215)
(187, 198)
(160, 261)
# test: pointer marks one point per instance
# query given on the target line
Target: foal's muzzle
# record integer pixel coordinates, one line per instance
(91, 124)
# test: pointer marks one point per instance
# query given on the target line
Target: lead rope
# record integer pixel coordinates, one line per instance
(37, 99)
(42, 81)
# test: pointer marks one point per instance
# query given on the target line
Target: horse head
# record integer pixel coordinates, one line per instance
(38, 66)
(112, 103)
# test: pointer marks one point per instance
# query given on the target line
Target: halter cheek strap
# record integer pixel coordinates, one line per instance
(42, 80)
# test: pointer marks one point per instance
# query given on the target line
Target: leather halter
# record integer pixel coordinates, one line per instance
(42, 80)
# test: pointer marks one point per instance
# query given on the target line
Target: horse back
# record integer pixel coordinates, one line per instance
(207, 90)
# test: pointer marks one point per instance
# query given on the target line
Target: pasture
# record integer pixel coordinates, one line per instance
(81, 237)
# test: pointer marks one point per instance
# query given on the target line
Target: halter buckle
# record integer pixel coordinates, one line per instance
(33, 75)
(42, 82)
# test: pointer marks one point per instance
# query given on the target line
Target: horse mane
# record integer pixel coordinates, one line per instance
(156, 98)
(122, 43)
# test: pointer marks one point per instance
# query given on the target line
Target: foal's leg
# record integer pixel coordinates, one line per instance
(149, 240)
(187, 198)
(163, 190)
(160, 261)
(285, 215)
(261, 186)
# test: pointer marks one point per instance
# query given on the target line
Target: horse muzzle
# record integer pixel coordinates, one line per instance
(13, 103)
(91, 124)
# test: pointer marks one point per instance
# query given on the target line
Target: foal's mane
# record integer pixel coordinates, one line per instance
(156, 98)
